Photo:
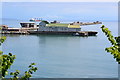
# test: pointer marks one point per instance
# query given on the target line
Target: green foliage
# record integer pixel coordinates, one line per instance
(15, 75)
(27, 74)
(115, 42)
(7, 60)
(118, 41)
(45, 21)
(2, 39)
(6, 63)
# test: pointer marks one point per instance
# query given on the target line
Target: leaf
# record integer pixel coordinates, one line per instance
(115, 41)
(11, 73)
(1, 52)
(33, 64)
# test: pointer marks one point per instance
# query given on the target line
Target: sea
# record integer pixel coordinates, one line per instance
(63, 56)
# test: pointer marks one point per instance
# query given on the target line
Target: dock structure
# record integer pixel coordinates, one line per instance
(62, 29)
(16, 30)
(74, 33)
(27, 31)
(90, 23)
(45, 27)
(25, 27)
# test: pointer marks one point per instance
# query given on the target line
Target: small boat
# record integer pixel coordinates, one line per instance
(35, 19)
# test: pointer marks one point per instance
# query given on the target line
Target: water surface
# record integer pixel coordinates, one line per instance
(64, 56)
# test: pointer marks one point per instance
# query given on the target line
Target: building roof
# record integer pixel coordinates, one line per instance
(57, 25)
(63, 25)
(73, 26)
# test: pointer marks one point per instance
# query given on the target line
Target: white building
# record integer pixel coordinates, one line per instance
(58, 27)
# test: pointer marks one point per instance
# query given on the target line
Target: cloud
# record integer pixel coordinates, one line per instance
(60, 0)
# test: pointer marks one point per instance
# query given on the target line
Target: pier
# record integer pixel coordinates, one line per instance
(79, 33)
(92, 23)
(54, 28)
(74, 33)
(86, 23)
(17, 30)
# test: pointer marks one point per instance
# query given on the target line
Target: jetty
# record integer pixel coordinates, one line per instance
(17, 30)
(90, 23)
(54, 28)
(29, 31)
(22, 30)
(73, 33)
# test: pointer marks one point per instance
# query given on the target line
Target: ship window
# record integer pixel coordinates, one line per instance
(24, 25)
(31, 25)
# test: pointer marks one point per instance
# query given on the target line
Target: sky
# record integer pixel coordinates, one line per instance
(60, 0)
(62, 11)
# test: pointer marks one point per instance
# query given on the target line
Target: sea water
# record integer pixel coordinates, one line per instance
(63, 56)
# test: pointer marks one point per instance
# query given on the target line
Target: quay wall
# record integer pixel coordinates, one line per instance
(58, 29)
